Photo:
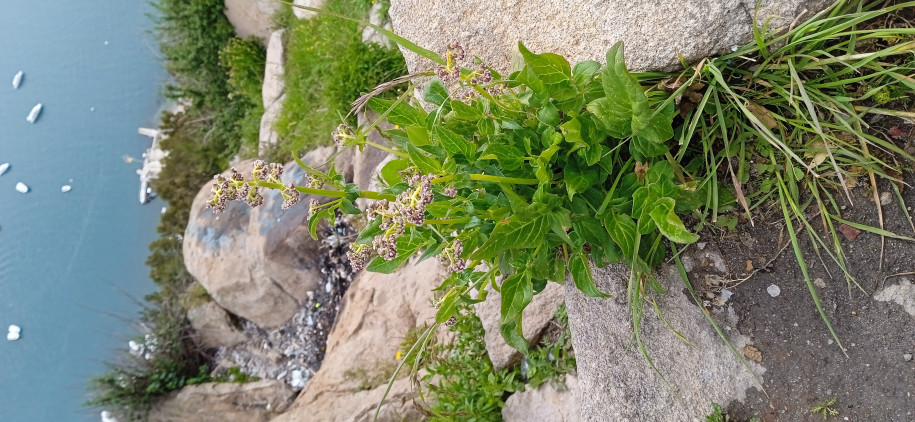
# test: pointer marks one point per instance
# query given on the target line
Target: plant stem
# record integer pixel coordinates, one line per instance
(448, 220)
(386, 149)
(490, 178)
(322, 192)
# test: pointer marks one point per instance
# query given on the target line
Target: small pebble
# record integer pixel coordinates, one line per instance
(907, 357)
(820, 283)
(773, 290)
(885, 198)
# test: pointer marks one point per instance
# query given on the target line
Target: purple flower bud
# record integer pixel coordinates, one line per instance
(450, 191)
(359, 255)
(290, 196)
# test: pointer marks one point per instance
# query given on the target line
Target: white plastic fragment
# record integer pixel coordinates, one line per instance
(13, 333)
(65, 188)
(21, 187)
(773, 290)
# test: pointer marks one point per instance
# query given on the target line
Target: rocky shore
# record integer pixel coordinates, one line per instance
(324, 340)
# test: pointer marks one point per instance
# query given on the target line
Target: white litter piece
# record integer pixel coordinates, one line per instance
(773, 290)
(22, 188)
(65, 188)
(163, 211)
(33, 115)
(13, 333)
(17, 79)
(4, 167)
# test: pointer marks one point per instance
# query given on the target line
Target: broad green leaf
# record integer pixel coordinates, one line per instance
(528, 77)
(581, 273)
(435, 92)
(424, 162)
(326, 213)
(548, 115)
(401, 114)
(369, 232)
(623, 231)
(448, 307)
(642, 203)
(578, 179)
(572, 131)
(584, 72)
(669, 224)
(593, 232)
(509, 157)
(553, 70)
(390, 173)
(615, 116)
(407, 245)
(347, 206)
(517, 292)
(513, 233)
(453, 143)
(465, 112)
(418, 135)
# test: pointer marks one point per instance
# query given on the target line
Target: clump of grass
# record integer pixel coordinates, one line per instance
(787, 119)
(327, 68)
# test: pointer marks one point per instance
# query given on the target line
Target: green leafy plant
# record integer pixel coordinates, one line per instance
(515, 180)
(825, 409)
(552, 358)
(718, 415)
(461, 382)
(526, 177)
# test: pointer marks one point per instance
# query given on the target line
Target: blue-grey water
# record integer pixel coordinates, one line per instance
(71, 262)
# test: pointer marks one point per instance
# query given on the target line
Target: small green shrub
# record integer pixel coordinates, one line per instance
(235, 374)
(466, 385)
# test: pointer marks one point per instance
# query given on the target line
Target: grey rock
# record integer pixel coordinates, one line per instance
(544, 404)
(534, 319)
(213, 326)
(256, 263)
(379, 310)
(306, 14)
(655, 32)
(907, 357)
(369, 34)
(273, 70)
(251, 17)
(615, 381)
(268, 137)
(257, 401)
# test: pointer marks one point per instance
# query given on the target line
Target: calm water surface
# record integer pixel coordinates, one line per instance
(71, 262)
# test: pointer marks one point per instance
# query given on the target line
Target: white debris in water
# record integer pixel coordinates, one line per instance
(21, 187)
(773, 290)
(13, 333)
(106, 417)
(65, 188)
(163, 211)
(4, 167)
(91, 108)
(106, 42)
